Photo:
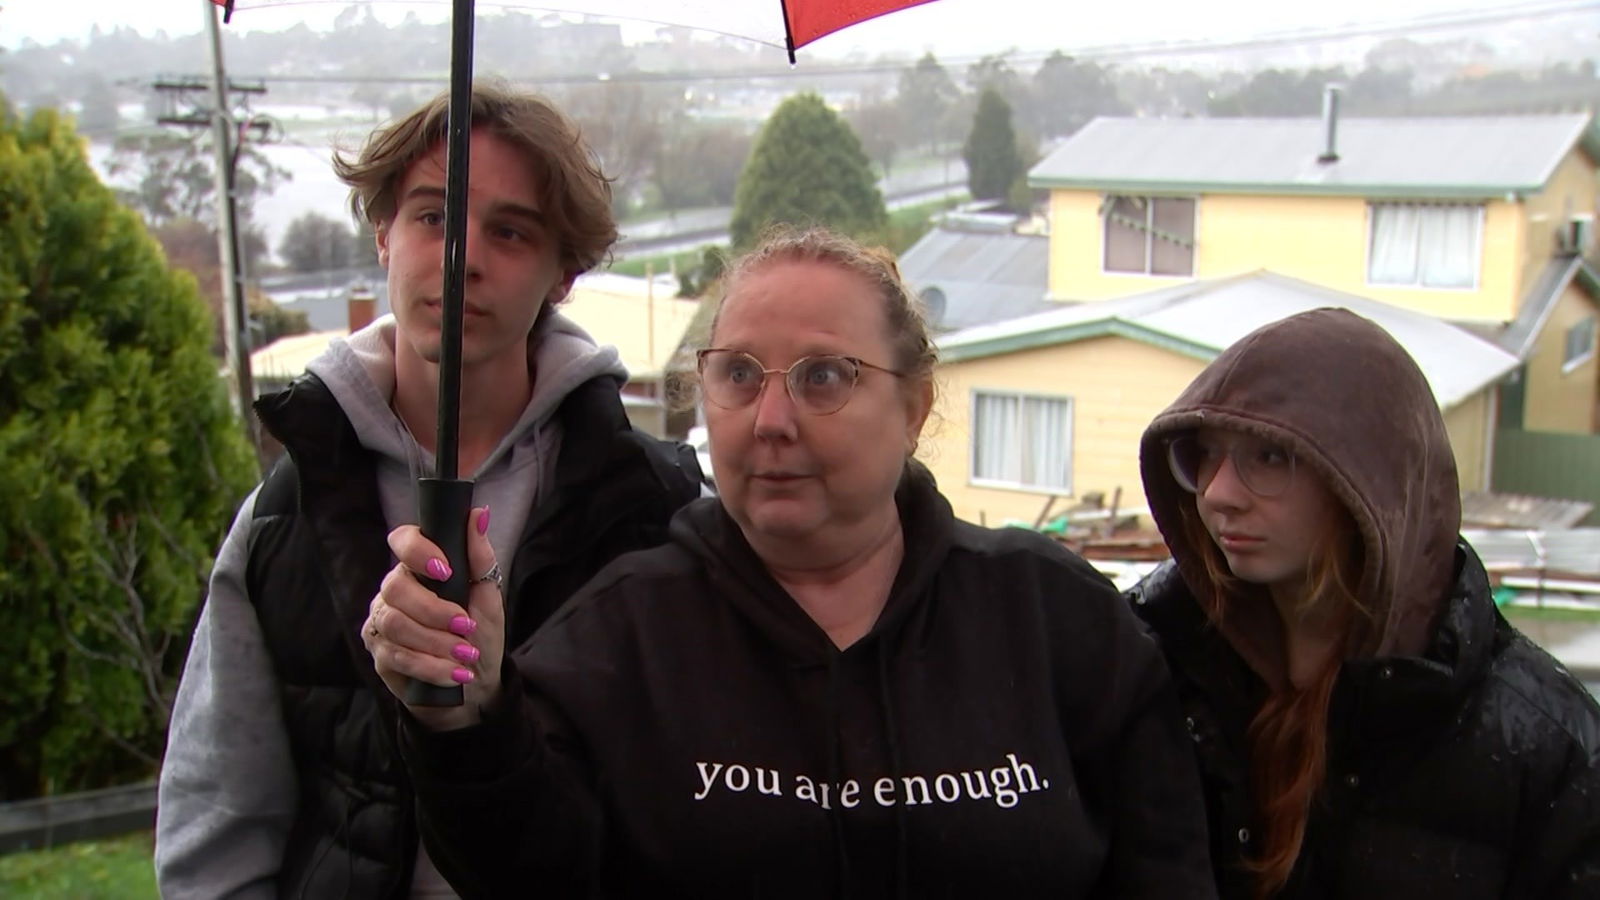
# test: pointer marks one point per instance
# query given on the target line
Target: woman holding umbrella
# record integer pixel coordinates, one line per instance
(824, 685)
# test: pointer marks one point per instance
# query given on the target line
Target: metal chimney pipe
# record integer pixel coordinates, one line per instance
(1330, 122)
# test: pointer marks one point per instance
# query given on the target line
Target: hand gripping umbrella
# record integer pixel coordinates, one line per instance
(444, 500)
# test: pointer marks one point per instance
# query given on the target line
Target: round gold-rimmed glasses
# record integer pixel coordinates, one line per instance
(819, 385)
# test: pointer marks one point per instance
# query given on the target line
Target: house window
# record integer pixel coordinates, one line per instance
(1432, 245)
(1580, 345)
(1149, 235)
(1022, 441)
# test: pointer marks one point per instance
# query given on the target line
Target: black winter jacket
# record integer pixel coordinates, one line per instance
(317, 555)
(1006, 729)
(1468, 772)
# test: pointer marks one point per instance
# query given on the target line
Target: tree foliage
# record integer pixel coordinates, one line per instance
(1278, 92)
(698, 163)
(120, 462)
(192, 246)
(807, 168)
(928, 98)
(622, 124)
(993, 162)
(318, 243)
(174, 176)
(1067, 93)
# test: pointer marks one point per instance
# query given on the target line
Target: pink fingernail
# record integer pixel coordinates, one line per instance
(466, 653)
(438, 570)
(462, 676)
(463, 626)
(483, 521)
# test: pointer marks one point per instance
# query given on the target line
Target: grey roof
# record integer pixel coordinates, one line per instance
(1480, 509)
(983, 277)
(1519, 334)
(1202, 318)
(1572, 550)
(324, 296)
(1421, 158)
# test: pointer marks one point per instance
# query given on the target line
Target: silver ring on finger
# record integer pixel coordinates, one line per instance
(492, 575)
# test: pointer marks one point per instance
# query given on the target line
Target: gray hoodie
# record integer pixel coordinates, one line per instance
(228, 784)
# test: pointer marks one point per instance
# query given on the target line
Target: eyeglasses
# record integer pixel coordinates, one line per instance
(1266, 469)
(820, 385)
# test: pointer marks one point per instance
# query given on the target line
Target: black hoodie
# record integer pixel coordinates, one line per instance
(1462, 761)
(684, 729)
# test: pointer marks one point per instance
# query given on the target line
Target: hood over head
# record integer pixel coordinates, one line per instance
(1358, 413)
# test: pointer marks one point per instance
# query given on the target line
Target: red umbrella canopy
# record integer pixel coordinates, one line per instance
(789, 24)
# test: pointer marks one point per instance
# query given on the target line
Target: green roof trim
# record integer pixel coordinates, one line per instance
(1078, 331)
(1368, 191)
(1590, 142)
(1589, 279)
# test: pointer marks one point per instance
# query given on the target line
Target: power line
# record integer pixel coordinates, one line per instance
(1110, 52)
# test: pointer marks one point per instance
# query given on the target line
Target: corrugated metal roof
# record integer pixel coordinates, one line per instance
(1444, 157)
(285, 358)
(645, 325)
(1202, 318)
(1487, 510)
(1519, 335)
(983, 277)
(1574, 550)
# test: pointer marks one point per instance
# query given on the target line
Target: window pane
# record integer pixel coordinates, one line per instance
(1392, 258)
(1173, 242)
(1025, 441)
(1447, 246)
(996, 446)
(1580, 341)
(1049, 427)
(1125, 227)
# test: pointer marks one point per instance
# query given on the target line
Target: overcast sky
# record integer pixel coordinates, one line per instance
(948, 27)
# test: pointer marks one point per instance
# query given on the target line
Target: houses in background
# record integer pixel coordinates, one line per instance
(1168, 239)
(640, 317)
(1054, 403)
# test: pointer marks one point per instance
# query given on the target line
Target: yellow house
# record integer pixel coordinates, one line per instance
(640, 318)
(1053, 404)
(1475, 220)
(646, 322)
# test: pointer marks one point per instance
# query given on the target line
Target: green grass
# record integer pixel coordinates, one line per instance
(1549, 614)
(661, 263)
(114, 869)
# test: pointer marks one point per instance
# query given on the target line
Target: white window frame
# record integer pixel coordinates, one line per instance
(1570, 361)
(1149, 236)
(1477, 247)
(974, 479)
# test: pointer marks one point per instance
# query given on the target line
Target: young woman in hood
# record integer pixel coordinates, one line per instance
(824, 685)
(1366, 722)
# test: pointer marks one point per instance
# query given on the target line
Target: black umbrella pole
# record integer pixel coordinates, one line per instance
(444, 501)
(443, 505)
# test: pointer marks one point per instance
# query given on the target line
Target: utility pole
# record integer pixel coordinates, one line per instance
(235, 320)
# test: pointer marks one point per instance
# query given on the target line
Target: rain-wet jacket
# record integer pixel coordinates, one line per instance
(1462, 761)
(683, 728)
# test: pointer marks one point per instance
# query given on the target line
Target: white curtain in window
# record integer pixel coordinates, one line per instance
(1023, 441)
(997, 452)
(1392, 259)
(1049, 444)
(1447, 247)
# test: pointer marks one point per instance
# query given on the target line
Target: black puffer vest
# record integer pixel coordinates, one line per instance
(318, 552)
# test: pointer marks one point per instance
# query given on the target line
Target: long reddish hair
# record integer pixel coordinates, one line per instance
(1288, 737)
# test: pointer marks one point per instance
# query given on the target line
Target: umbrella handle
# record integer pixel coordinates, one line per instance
(442, 506)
